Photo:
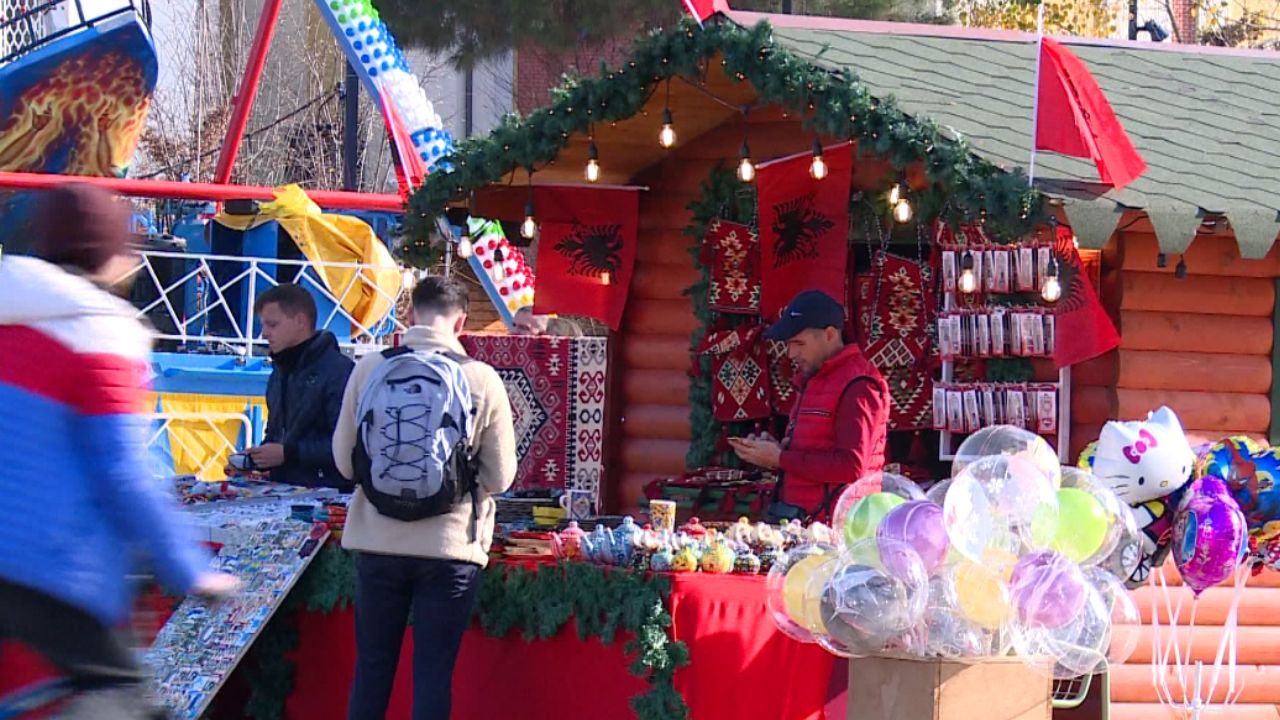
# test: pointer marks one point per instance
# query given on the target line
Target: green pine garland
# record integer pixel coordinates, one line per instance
(601, 602)
(837, 104)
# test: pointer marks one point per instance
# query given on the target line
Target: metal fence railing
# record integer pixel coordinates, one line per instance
(27, 25)
(211, 454)
(199, 301)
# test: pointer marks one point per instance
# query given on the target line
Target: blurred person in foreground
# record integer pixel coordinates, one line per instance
(79, 498)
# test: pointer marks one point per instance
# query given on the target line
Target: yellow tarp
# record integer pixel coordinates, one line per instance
(328, 238)
(202, 432)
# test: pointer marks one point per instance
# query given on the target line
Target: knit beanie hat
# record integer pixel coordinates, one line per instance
(82, 226)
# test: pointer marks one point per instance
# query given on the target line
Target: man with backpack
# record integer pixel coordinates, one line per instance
(427, 434)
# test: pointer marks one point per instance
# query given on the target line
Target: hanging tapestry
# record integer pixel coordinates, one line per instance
(896, 307)
(739, 374)
(804, 228)
(782, 378)
(732, 250)
(556, 389)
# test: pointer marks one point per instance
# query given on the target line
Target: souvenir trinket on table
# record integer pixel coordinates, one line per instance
(718, 558)
(567, 544)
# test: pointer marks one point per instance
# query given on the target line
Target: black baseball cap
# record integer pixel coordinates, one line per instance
(810, 310)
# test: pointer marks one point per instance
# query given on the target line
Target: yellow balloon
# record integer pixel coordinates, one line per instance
(982, 595)
(793, 587)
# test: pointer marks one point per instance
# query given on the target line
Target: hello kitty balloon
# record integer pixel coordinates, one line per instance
(1147, 463)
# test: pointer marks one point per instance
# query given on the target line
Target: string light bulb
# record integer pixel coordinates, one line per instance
(818, 168)
(529, 228)
(895, 194)
(968, 278)
(593, 162)
(498, 272)
(746, 168)
(465, 248)
(667, 135)
(606, 278)
(1180, 272)
(902, 210)
(1051, 289)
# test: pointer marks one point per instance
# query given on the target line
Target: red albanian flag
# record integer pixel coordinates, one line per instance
(1082, 328)
(804, 228)
(1074, 118)
(586, 251)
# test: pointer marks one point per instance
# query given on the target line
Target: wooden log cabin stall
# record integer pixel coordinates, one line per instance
(1183, 258)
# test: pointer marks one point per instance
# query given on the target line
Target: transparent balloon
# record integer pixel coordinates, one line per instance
(979, 593)
(894, 490)
(999, 507)
(937, 492)
(945, 632)
(1007, 440)
(785, 583)
(1076, 648)
(1047, 590)
(877, 593)
(1091, 518)
(1126, 620)
(919, 524)
(1124, 560)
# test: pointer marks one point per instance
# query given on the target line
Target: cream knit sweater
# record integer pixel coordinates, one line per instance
(443, 536)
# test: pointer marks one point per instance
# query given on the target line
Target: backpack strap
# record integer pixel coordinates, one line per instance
(396, 352)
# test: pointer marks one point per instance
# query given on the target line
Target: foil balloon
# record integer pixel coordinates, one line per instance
(1209, 534)
(1250, 470)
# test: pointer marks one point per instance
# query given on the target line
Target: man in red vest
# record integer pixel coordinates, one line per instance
(838, 427)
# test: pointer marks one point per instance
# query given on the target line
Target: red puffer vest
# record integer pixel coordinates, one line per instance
(813, 426)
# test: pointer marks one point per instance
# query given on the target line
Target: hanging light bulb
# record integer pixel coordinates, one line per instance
(498, 272)
(606, 278)
(895, 194)
(667, 135)
(746, 168)
(1162, 260)
(1051, 290)
(818, 168)
(529, 228)
(593, 163)
(464, 247)
(968, 278)
(902, 210)
(1180, 272)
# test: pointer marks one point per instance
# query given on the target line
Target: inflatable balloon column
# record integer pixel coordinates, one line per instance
(381, 65)
(500, 266)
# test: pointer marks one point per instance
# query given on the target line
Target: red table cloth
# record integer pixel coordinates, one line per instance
(741, 666)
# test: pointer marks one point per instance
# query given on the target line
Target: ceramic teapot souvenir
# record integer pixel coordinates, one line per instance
(567, 544)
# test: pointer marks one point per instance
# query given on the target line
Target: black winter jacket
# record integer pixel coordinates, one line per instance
(304, 397)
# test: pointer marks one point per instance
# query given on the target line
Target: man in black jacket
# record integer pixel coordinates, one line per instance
(304, 393)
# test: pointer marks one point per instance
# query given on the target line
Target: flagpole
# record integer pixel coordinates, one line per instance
(1035, 97)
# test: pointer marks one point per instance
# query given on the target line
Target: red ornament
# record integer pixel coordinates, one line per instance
(488, 264)
(503, 292)
(479, 249)
(515, 285)
(493, 244)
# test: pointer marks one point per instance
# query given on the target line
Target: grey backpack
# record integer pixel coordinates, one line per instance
(413, 456)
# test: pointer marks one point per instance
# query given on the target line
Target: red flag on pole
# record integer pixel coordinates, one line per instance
(1074, 118)
(804, 228)
(410, 170)
(586, 251)
(1083, 330)
(703, 9)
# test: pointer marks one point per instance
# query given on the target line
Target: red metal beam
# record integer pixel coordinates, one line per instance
(248, 90)
(331, 199)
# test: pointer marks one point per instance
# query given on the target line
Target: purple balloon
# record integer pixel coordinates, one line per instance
(1048, 589)
(1210, 535)
(918, 524)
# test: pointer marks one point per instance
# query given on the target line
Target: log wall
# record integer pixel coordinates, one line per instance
(1200, 344)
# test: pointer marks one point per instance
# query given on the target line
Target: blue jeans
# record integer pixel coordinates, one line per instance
(440, 593)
